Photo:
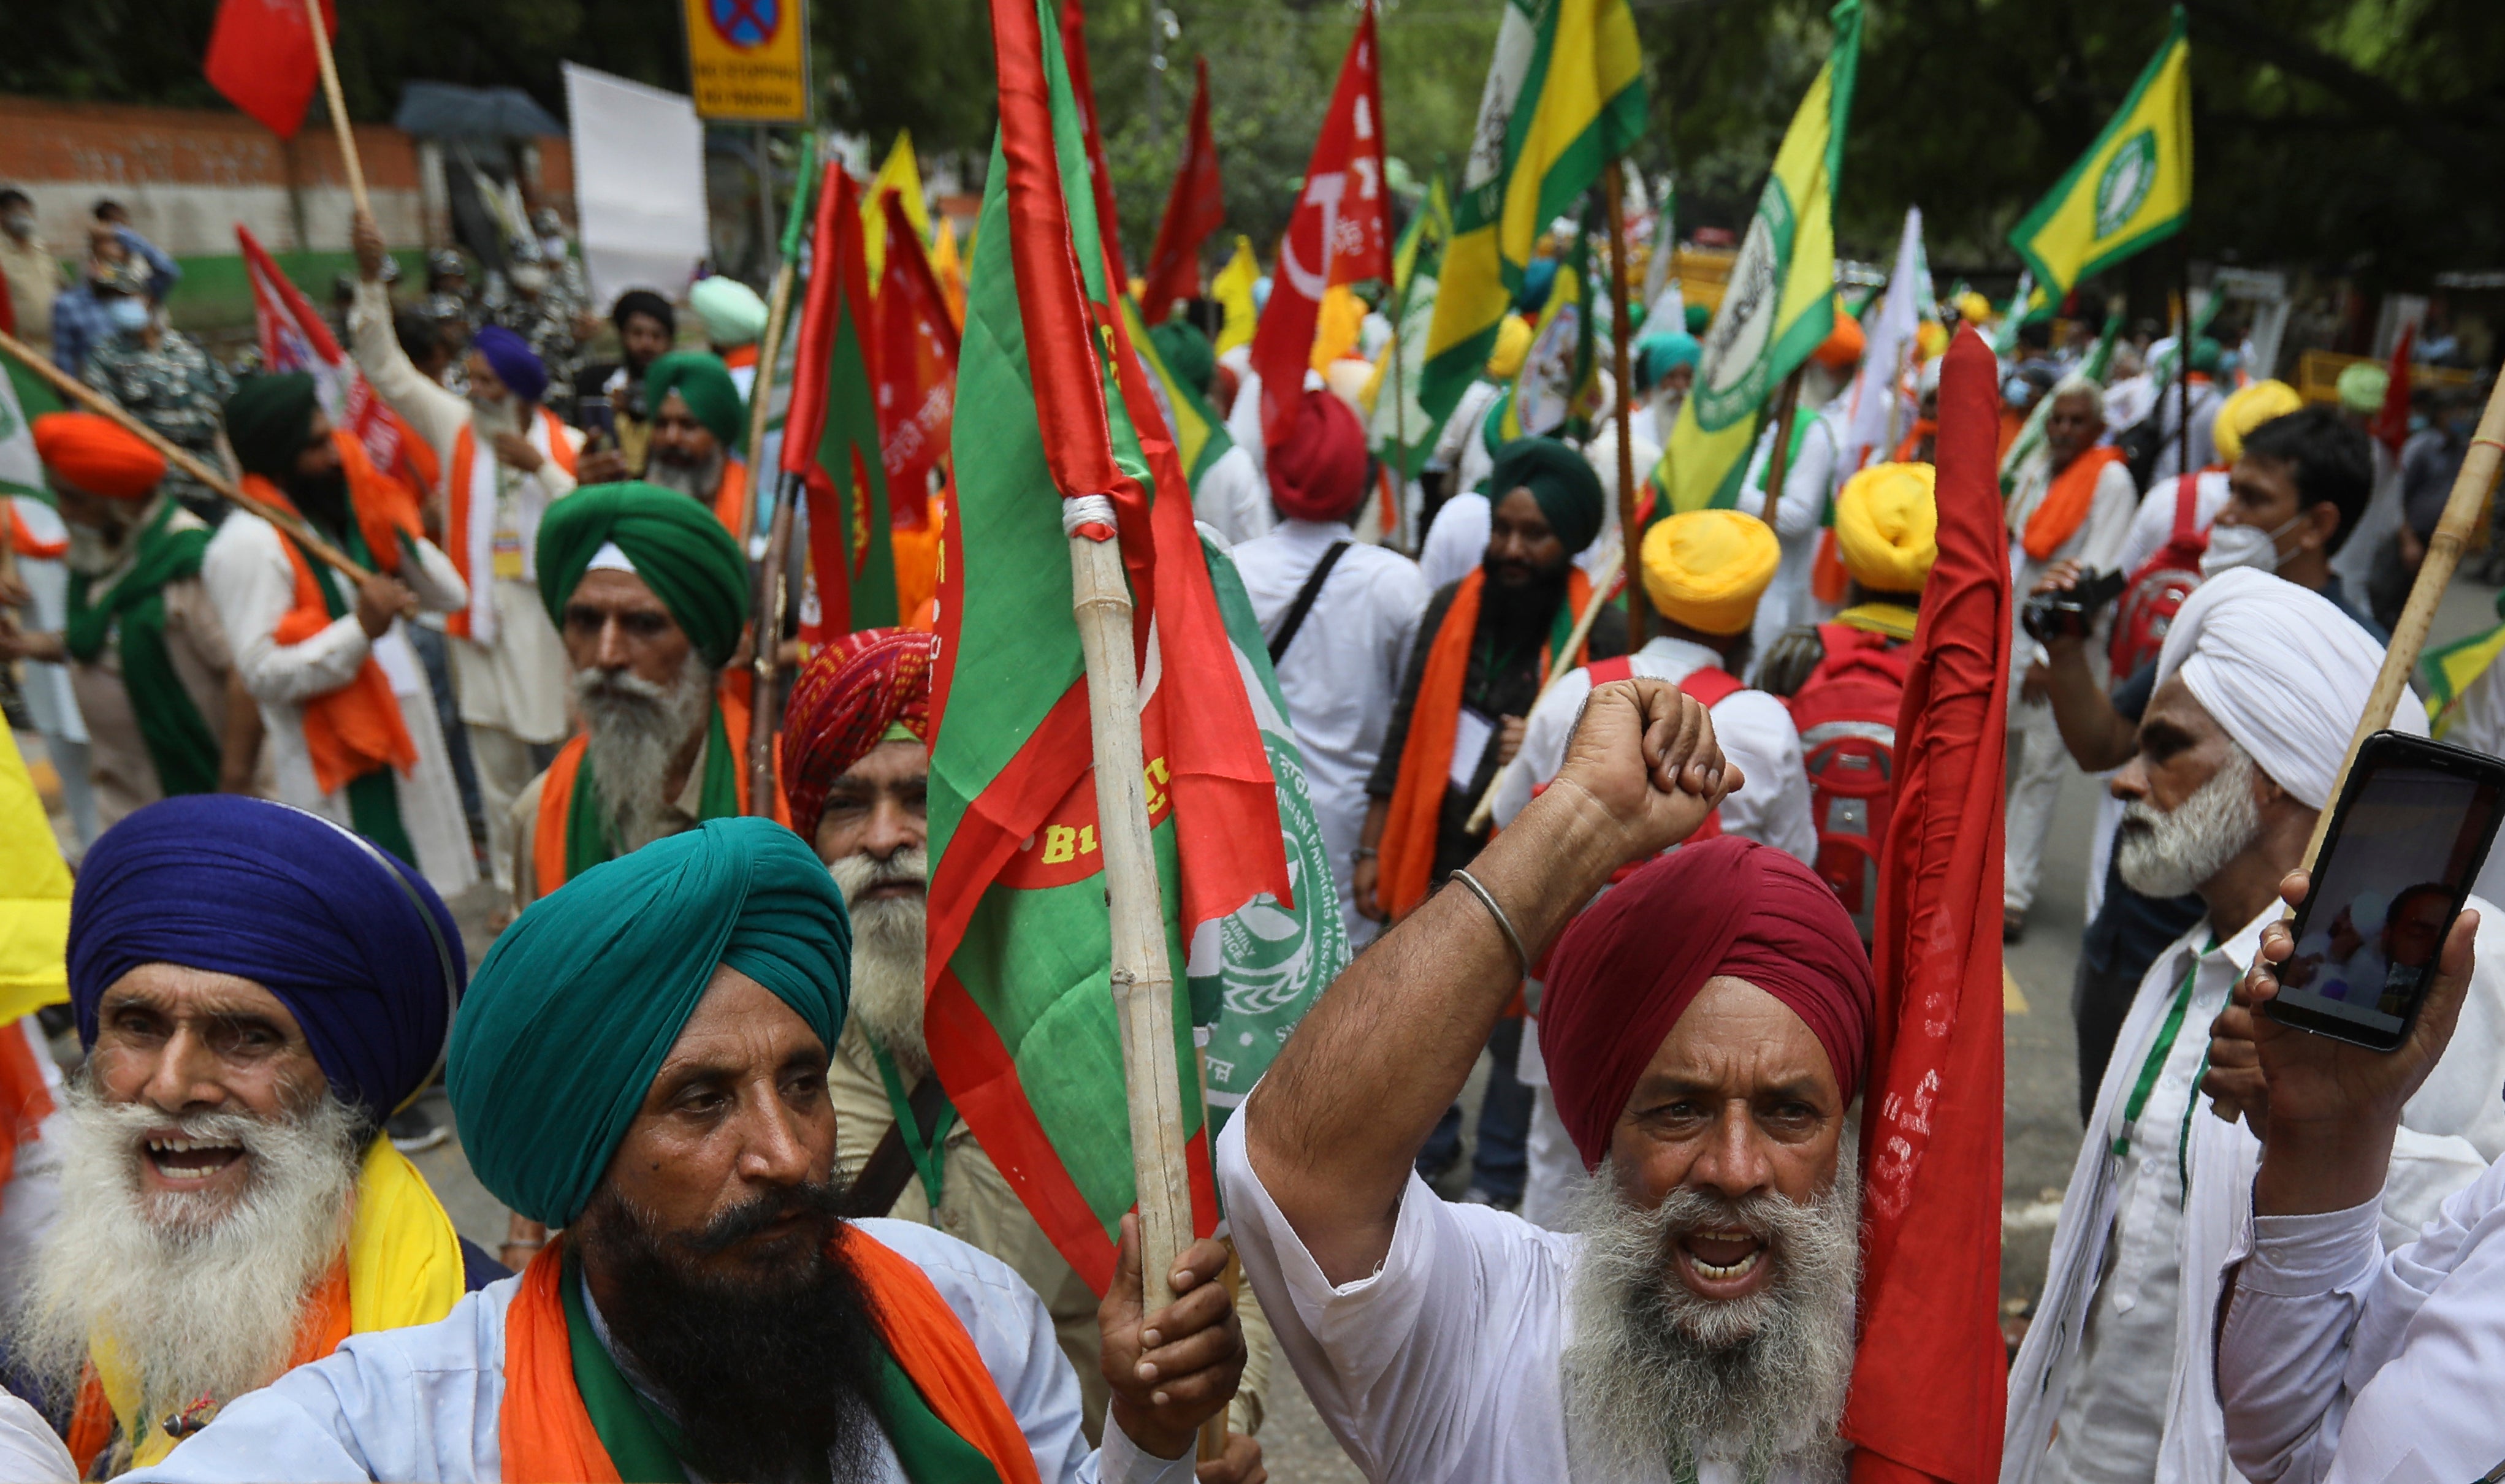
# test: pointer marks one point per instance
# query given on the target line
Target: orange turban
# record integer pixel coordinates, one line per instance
(1842, 345)
(97, 456)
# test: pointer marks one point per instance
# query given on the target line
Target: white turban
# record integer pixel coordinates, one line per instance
(2283, 671)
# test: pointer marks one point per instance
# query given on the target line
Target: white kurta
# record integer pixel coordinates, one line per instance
(1754, 729)
(253, 586)
(2341, 1362)
(1341, 677)
(423, 1403)
(29, 1451)
(2117, 1358)
(2354, 561)
(1232, 496)
(1445, 1363)
(510, 673)
(1809, 475)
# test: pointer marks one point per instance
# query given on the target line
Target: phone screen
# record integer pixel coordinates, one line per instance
(2390, 880)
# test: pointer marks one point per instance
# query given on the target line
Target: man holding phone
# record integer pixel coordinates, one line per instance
(2259, 687)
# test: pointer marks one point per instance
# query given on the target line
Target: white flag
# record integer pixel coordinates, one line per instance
(1879, 411)
(22, 471)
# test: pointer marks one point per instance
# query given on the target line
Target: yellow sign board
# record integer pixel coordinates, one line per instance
(749, 59)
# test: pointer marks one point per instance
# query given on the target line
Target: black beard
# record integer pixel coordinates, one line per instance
(322, 499)
(1532, 605)
(774, 1375)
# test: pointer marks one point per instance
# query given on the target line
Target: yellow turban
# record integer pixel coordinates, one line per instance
(1705, 568)
(1973, 308)
(1512, 343)
(2248, 408)
(1886, 526)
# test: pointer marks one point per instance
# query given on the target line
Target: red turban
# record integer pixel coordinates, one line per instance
(97, 456)
(843, 701)
(1627, 969)
(1319, 473)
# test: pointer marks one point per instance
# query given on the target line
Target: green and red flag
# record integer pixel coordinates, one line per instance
(1054, 407)
(917, 366)
(1194, 208)
(831, 436)
(1100, 176)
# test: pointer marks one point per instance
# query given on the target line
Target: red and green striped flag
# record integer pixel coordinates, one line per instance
(1052, 405)
(830, 438)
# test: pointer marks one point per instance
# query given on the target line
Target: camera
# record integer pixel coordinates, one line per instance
(2069, 615)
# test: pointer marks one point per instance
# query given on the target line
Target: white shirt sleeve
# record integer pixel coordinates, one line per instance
(437, 412)
(1544, 734)
(1234, 498)
(1772, 806)
(1457, 542)
(435, 581)
(251, 585)
(2109, 518)
(29, 1453)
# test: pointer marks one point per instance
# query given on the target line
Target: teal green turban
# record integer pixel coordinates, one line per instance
(578, 1004)
(677, 547)
(699, 376)
(2206, 353)
(1186, 353)
(1561, 479)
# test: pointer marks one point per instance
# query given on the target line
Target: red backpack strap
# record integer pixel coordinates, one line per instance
(1616, 667)
(2187, 507)
(1712, 685)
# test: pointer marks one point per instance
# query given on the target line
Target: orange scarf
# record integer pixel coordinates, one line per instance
(356, 728)
(456, 500)
(544, 1434)
(2065, 507)
(1910, 451)
(1407, 862)
(557, 792)
(731, 501)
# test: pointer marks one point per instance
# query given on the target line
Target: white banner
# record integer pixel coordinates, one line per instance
(638, 185)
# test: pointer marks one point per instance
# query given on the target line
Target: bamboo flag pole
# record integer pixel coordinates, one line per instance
(1779, 459)
(1143, 978)
(1562, 661)
(1613, 187)
(774, 593)
(102, 406)
(339, 109)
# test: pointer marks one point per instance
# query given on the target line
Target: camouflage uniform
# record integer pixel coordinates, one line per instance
(547, 323)
(177, 390)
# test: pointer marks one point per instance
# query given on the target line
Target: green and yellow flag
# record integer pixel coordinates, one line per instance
(1780, 302)
(1565, 96)
(2445, 673)
(2133, 187)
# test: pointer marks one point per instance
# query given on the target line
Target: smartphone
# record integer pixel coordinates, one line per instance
(595, 416)
(2407, 839)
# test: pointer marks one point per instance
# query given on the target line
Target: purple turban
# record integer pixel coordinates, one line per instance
(513, 360)
(350, 938)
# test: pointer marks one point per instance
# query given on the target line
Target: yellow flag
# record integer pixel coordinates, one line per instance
(1232, 288)
(1564, 95)
(1781, 303)
(950, 270)
(902, 175)
(34, 895)
(2133, 187)
(1337, 326)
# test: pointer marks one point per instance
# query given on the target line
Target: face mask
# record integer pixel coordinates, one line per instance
(529, 277)
(128, 315)
(2243, 546)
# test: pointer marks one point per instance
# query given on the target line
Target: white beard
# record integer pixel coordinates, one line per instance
(2163, 853)
(1656, 1374)
(702, 479)
(634, 729)
(888, 937)
(96, 553)
(201, 1298)
(489, 418)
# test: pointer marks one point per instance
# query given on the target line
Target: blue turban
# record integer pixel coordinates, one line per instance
(1657, 355)
(513, 362)
(582, 997)
(350, 938)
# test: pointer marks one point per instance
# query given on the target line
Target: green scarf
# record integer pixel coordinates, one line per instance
(374, 799)
(586, 824)
(645, 1445)
(180, 744)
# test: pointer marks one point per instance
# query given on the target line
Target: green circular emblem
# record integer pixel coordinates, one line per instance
(1732, 374)
(2126, 182)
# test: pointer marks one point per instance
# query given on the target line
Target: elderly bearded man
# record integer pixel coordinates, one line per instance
(642, 1061)
(351, 721)
(505, 458)
(1706, 1025)
(856, 765)
(2258, 688)
(257, 990)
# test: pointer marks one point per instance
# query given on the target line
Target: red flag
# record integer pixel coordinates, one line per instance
(2391, 426)
(1931, 1374)
(1194, 208)
(1339, 233)
(1074, 45)
(831, 436)
(261, 57)
(294, 337)
(916, 373)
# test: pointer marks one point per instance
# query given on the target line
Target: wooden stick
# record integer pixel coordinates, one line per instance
(775, 595)
(1562, 662)
(1613, 187)
(1143, 978)
(339, 109)
(102, 406)
(1779, 459)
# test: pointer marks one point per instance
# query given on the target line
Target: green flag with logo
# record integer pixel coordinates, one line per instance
(2131, 188)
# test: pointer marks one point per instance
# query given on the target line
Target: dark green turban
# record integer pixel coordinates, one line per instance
(1186, 353)
(580, 1001)
(1561, 479)
(701, 378)
(268, 420)
(678, 548)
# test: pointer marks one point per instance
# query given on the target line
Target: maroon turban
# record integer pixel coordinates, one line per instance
(1627, 969)
(1319, 471)
(843, 703)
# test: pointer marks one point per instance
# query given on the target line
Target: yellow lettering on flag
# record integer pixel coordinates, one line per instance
(902, 175)
(1780, 303)
(2131, 188)
(1232, 288)
(748, 60)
